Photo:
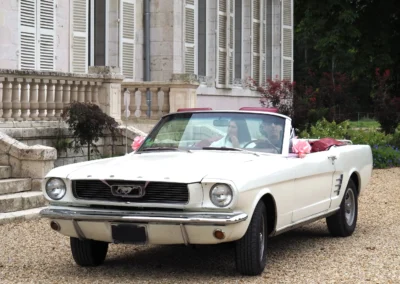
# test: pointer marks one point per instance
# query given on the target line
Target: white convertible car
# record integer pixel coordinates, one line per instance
(207, 177)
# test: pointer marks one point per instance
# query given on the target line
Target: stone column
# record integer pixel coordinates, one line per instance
(81, 91)
(7, 95)
(25, 99)
(34, 99)
(88, 93)
(183, 92)
(59, 98)
(51, 105)
(1, 98)
(42, 99)
(143, 103)
(16, 102)
(74, 92)
(67, 93)
(95, 93)
(155, 107)
(165, 105)
(110, 91)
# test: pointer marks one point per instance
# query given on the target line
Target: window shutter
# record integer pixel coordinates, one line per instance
(287, 39)
(263, 70)
(255, 39)
(128, 38)
(190, 38)
(231, 41)
(79, 63)
(221, 43)
(46, 35)
(27, 58)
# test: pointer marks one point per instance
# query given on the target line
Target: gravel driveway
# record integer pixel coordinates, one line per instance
(32, 252)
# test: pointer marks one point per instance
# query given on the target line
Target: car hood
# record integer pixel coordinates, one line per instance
(158, 166)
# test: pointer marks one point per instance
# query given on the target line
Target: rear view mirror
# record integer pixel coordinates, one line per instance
(221, 122)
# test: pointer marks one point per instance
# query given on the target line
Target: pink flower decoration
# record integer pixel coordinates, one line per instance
(301, 147)
(137, 142)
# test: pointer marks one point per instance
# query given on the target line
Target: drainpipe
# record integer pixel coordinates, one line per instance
(147, 51)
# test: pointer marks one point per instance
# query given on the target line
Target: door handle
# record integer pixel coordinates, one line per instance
(332, 158)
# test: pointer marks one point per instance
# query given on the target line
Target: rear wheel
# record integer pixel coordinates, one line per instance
(251, 249)
(88, 252)
(343, 222)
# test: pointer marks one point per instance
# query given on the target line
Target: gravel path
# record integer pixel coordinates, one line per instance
(30, 252)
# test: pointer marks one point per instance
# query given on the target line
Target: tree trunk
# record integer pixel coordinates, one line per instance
(88, 151)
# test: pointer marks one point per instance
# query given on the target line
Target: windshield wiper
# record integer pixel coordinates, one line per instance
(230, 149)
(165, 149)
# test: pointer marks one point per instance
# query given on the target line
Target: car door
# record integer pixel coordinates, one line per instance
(313, 184)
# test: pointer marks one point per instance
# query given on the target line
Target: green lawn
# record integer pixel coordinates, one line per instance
(365, 123)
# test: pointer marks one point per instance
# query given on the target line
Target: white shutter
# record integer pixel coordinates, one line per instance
(27, 58)
(190, 37)
(287, 39)
(46, 26)
(263, 63)
(79, 62)
(231, 48)
(128, 38)
(221, 43)
(255, 40)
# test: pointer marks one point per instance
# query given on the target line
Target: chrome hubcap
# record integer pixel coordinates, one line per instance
(262, 238)
(349, 207)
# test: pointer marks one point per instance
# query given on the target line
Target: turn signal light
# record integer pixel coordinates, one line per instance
(218, 234)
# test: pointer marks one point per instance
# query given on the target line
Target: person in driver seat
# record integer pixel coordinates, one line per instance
(271, 130)
(237, 136)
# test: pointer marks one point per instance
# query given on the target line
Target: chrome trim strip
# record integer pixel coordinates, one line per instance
(198, 218)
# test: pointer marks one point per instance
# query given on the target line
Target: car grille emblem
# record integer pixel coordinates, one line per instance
(128, 191)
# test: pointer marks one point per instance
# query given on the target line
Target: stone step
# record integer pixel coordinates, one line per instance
(19, 216)
(5, 172)
(21, 201)
(14, 185)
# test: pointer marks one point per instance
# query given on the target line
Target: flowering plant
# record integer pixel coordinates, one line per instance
(137, 142)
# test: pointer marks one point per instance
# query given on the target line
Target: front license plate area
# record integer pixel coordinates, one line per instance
(129, 234)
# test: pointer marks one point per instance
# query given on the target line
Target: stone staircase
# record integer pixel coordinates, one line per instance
(17, 200)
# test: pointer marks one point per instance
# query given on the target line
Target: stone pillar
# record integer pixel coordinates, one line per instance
(67, 93)
(95, 93)
(34, 99)
(7, 95)
(59, 98)
(74, 92)
(110, 91)
(42, 99)
(165, 104)
(143, 103)
(88, 94)
(155, 107)
(81, 92)
(183, 92)
(16, 102)
(25, 99)
(51, 105)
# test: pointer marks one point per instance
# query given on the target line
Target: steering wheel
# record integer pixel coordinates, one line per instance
(258, 140)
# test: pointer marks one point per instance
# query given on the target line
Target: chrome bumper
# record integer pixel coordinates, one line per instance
(159, 217)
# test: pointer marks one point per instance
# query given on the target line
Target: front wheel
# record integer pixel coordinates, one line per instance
(88, 252)
(343, 222)
(251, 250)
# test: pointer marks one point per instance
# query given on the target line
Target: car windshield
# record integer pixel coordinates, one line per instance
(217, 131)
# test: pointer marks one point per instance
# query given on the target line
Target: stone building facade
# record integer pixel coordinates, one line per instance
(223, 42)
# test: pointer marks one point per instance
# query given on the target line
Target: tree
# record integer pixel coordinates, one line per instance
(88, 123)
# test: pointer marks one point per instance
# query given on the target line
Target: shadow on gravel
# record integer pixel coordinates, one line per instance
(198, 261)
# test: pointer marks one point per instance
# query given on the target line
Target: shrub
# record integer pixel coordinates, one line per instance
(385, 147)
(88, 123)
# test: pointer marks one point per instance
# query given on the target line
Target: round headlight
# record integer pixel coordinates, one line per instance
(221, 195)
(56, 188)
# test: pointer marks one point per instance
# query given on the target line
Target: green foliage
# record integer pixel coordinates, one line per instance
(88, 123)
(385, 147)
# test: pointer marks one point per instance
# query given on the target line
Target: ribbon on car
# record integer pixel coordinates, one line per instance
(137, 142)
(301, 147)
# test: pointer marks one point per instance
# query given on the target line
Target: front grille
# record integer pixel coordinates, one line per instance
(156, 192)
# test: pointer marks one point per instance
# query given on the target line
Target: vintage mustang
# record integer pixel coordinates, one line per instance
(203, 176)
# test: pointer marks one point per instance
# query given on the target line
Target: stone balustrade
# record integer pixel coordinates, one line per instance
(41, 96)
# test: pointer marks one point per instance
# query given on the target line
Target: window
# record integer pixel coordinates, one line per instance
(258, 41)
(79, 28)
(238, 39)
(37, 21)
(202, 38)
(190, 37)
(287, 39)
(127, 38)
(97, 36)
